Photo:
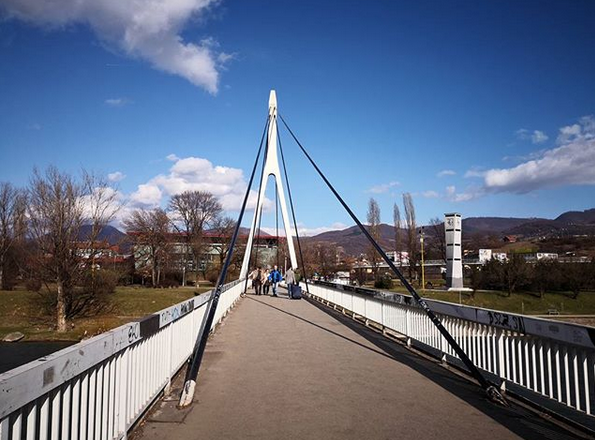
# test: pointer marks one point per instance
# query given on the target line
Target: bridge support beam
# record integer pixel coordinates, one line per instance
(271, 168)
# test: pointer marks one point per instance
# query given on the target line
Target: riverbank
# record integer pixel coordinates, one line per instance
(20, 311)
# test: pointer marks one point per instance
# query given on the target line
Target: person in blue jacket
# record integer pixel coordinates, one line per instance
(275, 277)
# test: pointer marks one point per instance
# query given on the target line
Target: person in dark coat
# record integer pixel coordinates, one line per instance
(275, 278)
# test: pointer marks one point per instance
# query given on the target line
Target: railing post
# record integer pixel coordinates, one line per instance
(408, 327)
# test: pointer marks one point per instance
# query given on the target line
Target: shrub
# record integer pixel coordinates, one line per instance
(383, 283)
(33, 284)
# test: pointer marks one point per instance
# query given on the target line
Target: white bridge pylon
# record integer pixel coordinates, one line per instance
(271, 168)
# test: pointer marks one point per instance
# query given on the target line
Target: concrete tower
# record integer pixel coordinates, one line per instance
(454, 254)
(271, 168)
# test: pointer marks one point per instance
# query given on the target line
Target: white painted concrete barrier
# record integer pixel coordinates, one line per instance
(549, 362)
(98, 388)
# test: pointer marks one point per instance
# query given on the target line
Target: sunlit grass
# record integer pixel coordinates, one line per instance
(19, 312)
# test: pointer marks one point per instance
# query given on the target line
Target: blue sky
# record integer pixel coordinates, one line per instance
(478, 107)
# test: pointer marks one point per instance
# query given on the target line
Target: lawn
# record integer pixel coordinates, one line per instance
(526, 303)
(18, 312)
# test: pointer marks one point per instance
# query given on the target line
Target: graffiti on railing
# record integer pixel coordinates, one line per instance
(172, 313)
(504, 320)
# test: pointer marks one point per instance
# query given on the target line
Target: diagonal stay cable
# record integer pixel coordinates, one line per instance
(253, 227)
(490, 389)
(203, 334)
(258, 235)
(297, 235)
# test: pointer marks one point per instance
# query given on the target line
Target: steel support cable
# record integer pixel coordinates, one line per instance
(297, 235)
(253, 227)
(277, 218)
(491, 390)
(258, 236)
(201, 342)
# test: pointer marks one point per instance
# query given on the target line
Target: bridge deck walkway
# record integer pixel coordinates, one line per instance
(281, 369)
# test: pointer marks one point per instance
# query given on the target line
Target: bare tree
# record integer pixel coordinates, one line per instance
(56, 217)
(223, 227)
(150, 231)
(12, 224)
(374, 228)
(438, 238)
(195, 210)
(397, 225)
(320, 258)
(58, 207)
(411, 226)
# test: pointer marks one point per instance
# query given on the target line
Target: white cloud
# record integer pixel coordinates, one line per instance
(147, 196)
(535, 136)
(198, 174)
(146, 29)
(172, 157)
(584, 130)
(383, 187)
(446, 173)
(572, 163)
(430, 194)
(116, 176)
(539, 137)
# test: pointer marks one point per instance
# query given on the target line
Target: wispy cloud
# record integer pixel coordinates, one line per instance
(35, 126)
(430, 194)
(117, 102)
(306, 231)
(382, 188)
(444, 173)
(469, 194)
(475, 172)
(116, 176)
(535, 136)
(147, 30)
(172, 157)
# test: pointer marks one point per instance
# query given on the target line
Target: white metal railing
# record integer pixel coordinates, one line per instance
(98, 388)
(544, 360)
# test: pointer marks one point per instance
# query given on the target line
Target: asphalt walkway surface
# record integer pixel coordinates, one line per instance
(291, 369)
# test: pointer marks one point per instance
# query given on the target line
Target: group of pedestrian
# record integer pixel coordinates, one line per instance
(264, 279)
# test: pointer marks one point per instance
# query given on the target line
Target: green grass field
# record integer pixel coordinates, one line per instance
(525, 303)
(18, 312)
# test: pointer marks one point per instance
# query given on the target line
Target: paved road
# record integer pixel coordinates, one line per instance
(281, 369)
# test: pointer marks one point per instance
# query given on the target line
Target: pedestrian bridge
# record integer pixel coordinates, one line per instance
(343, 363)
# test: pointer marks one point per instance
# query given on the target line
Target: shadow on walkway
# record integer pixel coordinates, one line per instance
(517, 419)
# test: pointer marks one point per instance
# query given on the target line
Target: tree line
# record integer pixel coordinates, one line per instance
(41, 241)
(516, 274)
(49, 239)
(406, 240)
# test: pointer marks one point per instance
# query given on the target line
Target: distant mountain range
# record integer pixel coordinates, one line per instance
(569, 223)
(108, 233)
(355, 243)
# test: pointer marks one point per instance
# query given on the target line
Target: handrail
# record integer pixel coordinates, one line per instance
(565, 332)
(106, 382)
(549, 363)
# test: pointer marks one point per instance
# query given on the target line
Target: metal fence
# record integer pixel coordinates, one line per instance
(548, 362)
(98, 388)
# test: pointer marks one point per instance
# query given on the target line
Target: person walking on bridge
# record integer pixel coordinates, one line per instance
(257, 276)
(275, 277)
(267, 282)
(290, 281)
